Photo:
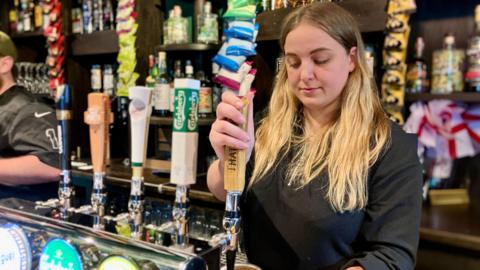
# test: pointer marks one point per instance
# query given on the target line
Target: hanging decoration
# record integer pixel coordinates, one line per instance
(394, 57)
(126, 31)
(55, 43)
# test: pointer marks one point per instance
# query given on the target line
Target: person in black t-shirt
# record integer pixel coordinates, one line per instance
(29, 158)
(332, 183)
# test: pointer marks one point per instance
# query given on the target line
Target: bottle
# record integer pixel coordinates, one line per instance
(77, 24)
(188, 69)
(177, 74)
(179, 27)
(12, 18)
(153, 74)
(472, 76)
(108, 80)
(416, 81)
(97, 15)
(96, 78)
(162, 88)
(205, 104)
(87, 15)
(38, 17)
(27, 15)
(447, 75)
(207, 25)
(108, 16)
(167, 28)
(150, 81)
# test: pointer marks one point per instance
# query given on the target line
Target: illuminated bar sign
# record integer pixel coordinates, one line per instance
(14, 249)
(116, 262)
(59, 254)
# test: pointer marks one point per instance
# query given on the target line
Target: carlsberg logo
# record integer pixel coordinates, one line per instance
(193, 114)
(186, 110)
(179, 109)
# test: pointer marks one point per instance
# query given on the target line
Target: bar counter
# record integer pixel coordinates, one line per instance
(452, 225)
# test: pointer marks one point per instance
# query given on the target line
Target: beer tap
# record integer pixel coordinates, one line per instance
(184, 153)
(66, 191)
(234, 184)
(140, 111)
(98, 117)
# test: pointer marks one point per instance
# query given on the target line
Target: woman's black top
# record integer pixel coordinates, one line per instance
(289, 228)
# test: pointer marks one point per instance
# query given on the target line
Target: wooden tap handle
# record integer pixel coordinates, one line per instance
(98, 117)
(235, 161)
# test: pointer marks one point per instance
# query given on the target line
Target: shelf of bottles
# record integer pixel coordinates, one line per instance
(370, 14)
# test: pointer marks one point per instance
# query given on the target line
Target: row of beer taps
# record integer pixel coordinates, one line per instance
(183, 164)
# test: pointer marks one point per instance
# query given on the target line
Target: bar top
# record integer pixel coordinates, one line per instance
(455, 225)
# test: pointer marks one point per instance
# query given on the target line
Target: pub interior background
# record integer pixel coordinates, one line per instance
(450, 228)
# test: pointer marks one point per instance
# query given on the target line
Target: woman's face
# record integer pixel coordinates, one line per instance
(317, 67)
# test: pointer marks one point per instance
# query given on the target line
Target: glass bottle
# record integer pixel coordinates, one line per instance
(472, 76)
(177, 74)
(417, 81)
(162, 87)
(207, 25)
(205, 106)
(447, 75)
(188, 69)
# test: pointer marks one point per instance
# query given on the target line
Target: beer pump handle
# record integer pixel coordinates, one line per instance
(140, 110)
(64, 116)
(235, 160)
(98, 117)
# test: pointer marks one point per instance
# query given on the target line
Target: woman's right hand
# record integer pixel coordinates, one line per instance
(226, 131)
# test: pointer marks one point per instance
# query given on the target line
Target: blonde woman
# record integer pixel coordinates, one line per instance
(332, 183)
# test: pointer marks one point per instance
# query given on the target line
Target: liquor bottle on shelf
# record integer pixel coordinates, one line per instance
(13, 17)
(96, 78)
(207, 25)
(150, 81)
(108, 80)
(38, 17)
(87, 16)
(162, 88)
(205, 95)
(417, 81)
(77, 22)
(447, 74)
(188, 69)
(472, 76)
(97, 15)
(177, 74)
(108, 16)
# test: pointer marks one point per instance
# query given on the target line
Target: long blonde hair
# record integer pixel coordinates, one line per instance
(345, 148)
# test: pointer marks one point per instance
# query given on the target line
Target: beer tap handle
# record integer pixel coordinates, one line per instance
(140, 110)
(64, 116)
(98, 117)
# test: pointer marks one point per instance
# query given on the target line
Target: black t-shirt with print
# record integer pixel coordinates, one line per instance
(27, 127)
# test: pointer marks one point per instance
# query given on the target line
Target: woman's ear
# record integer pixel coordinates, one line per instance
(352, 55)
(6, 64)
